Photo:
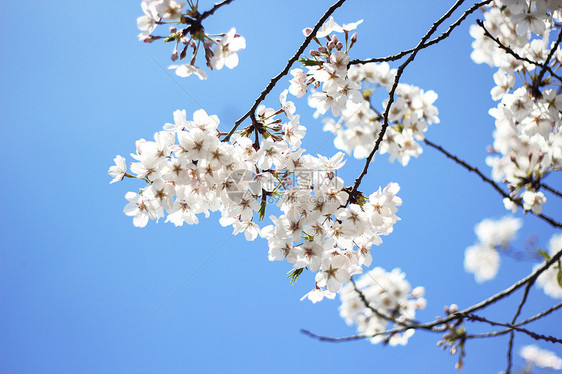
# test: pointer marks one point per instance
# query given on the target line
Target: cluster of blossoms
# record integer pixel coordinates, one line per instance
(189, 172)
(390, 301)
(537, 357)
(483, 258)
(528, 136)
(219, 50)
(347, 90)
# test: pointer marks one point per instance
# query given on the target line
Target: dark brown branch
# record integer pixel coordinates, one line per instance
(537, 82)
(284, 72)
(399, 72)
(475, 170)
(513, 53)
(548, 188)
(529, 320)
(376, 311)
(456, 316)
(211, 11)
(445, 35)
(335, 340)
(534, 335)
(512, 332)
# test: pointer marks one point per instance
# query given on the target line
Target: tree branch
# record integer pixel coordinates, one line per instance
(512, 52)
(534, 335)
(529, 320)
(548, 188)
(512, 333)
(445, 35)
(455, 316)
(475, 170)
(284, 72)
(537, 82)
(211, 11)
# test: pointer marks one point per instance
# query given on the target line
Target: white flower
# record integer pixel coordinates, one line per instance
(533, 201)
(225, 50)
(249, 228)
(187, 70)
(351, 26)
(328, 27)
(498, 232)
(318, 294)
(387, 294)
(298, 83)
(334, 273)
(483, 261)
(118, 170)
(169, 9)
(140, 208)
(541, 357)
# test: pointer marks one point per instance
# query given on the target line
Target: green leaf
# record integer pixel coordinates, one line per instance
(310, 62)
(294, 275)
(261, 212)
(544, 254)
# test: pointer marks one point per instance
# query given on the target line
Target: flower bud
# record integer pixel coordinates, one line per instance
(322, 49)
(173, 30)
(339, 46)
(307, 31)
(453, 308)
(421, 303)
(418, 292)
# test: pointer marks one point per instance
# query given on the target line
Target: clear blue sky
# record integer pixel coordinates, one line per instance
(79, 284)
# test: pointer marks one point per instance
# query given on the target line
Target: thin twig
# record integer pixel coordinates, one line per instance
(375, 310)
(475, 170)
(537, 82)
(284, 72)
(534, 335)
(550, 189)
(441, 321)
(513, 53)
(512, 332)
(211, 11)
(445, 35)
(529, 320)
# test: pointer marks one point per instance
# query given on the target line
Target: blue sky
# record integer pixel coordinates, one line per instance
(81, 288)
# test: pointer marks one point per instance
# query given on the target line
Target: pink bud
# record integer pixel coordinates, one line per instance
(307, 31)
